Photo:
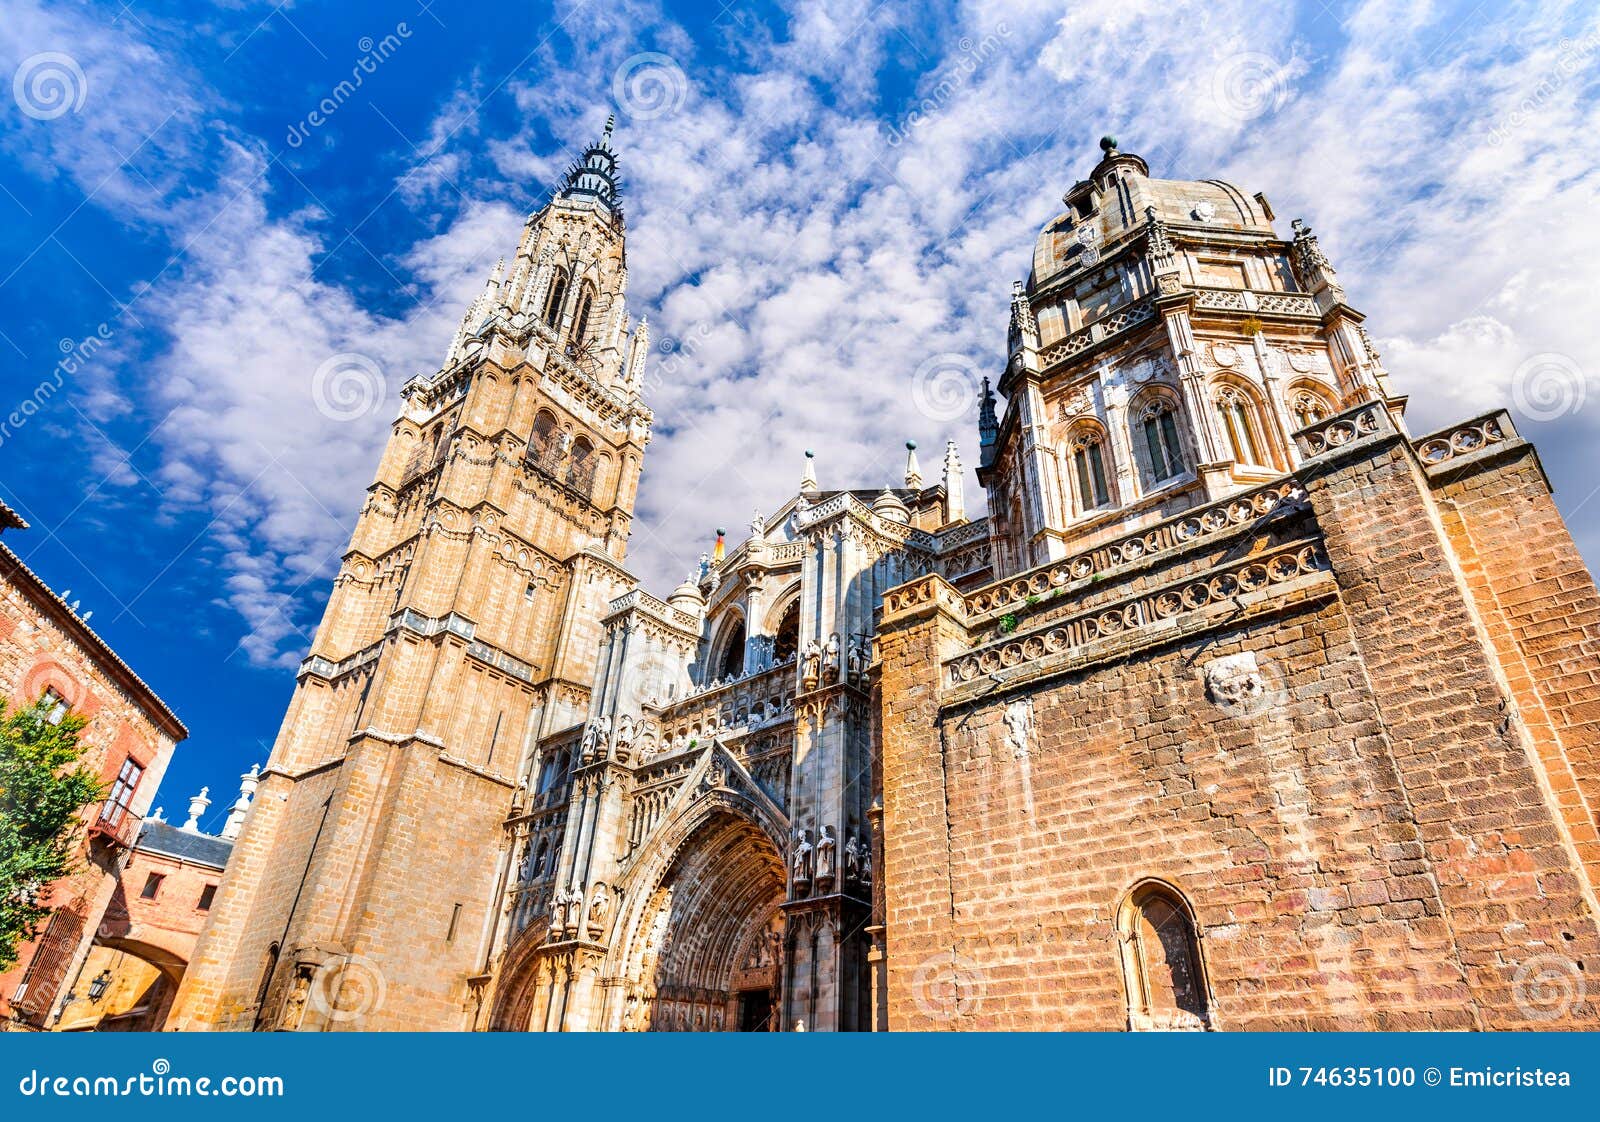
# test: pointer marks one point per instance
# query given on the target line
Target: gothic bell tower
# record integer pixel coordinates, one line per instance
(462, 626)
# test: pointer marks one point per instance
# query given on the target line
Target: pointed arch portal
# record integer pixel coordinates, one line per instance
(698, 942)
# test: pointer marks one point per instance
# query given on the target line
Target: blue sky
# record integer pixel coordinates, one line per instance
(821, 197)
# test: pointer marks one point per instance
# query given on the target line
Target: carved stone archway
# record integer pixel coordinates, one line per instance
(700, 955)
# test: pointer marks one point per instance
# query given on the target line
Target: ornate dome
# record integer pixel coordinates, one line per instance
(1114, 202)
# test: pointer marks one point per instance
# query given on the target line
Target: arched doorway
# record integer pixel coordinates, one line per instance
(704, 950)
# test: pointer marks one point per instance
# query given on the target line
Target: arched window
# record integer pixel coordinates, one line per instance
(1089, 470)
(580, 473)
(788, 637)
(542, 443)
(540, 857)
(1309, 406)
(1240, 421)
(728, 660)
(1165, 975)
(1159, 426)
(580, 318)
(269, 963)
(556, 298)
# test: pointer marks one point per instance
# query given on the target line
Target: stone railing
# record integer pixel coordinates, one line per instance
(1145, 613)
(746, 679)
(1124, 319)
(1165, 537)
(1368, 419)
(1252, 301)
(846, 503)
(666, 613)
(1465, 438)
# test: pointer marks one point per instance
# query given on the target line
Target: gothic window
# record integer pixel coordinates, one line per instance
(1089, 470)
(580, 319)
(1163, 969)
(580, 473)
(728, 661)
(542, 444)
(270, 961)
(1158, 423)
(556, 298)
(542, 856)
(1241, 423)
(788, 639)
(1309, 407)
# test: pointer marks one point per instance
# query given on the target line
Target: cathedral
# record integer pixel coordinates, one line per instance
(1243, 707)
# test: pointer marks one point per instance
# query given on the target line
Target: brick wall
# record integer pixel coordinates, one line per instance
(1363, 838)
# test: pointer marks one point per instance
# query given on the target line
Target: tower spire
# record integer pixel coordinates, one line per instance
(808, 481)
(955, 499)
(594, 175)
(913, 469)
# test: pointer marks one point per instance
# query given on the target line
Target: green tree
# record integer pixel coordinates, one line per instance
(43, 790)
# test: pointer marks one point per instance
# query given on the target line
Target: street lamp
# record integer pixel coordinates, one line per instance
(99, 984)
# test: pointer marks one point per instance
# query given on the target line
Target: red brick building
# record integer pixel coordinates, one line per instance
(147, 935)
(48, 650)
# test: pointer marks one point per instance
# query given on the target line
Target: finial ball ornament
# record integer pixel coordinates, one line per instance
(911, 446)
(1108, 144)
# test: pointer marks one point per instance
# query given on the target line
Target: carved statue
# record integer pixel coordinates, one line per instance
(830, 659)
(1235, 682)
(825, 847)
(294, 1006)
(623, 737)
(852, 858)
(1019, 723)
(595, 738)
(811, 670)
(758, 526)
(857, 664)
(599, 907)
(802, 856)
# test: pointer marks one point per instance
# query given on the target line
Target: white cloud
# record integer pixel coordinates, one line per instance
(807, 260)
